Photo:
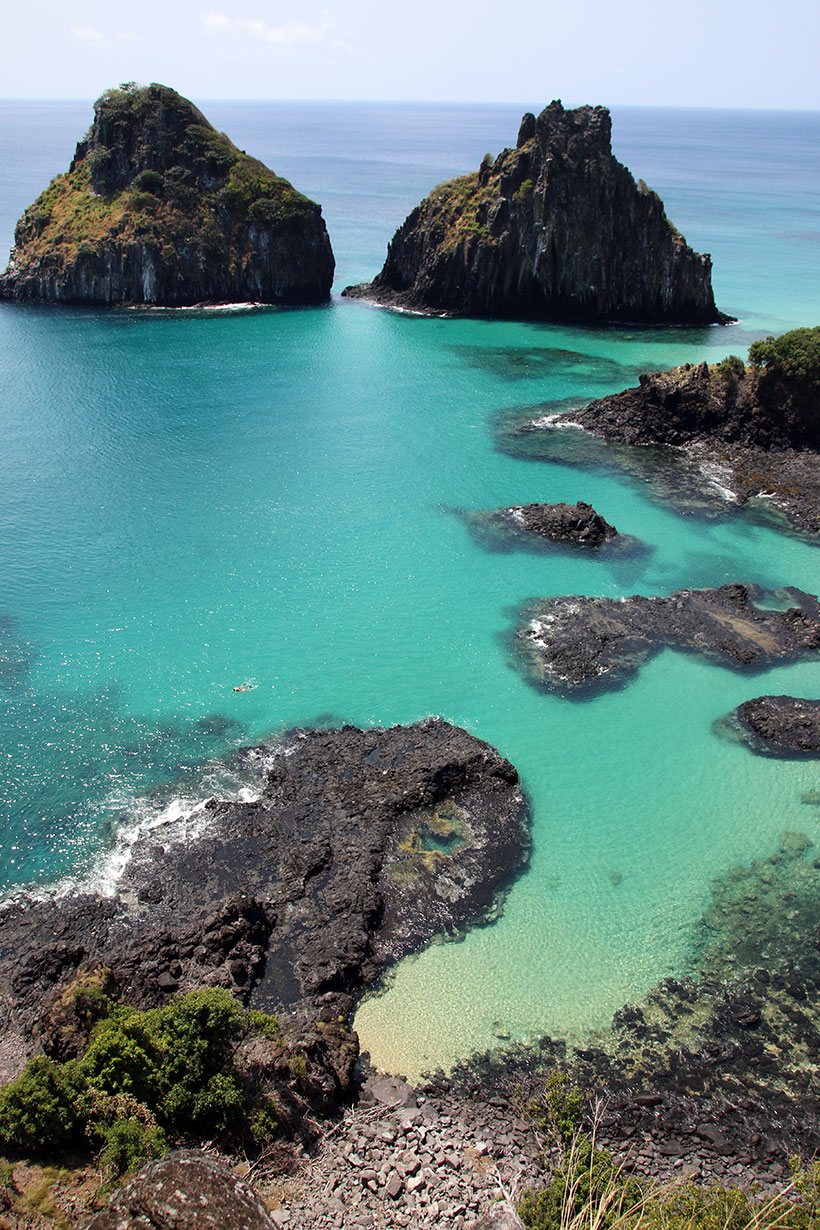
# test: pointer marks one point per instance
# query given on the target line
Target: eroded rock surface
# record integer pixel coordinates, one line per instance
(781, 725)
(187, 1190)
(555, 229)
(160, 208)
(578, 523)
(363, 845)
(758, 428)
(581, 644)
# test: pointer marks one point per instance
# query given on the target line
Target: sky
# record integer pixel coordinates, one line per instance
(713, 53)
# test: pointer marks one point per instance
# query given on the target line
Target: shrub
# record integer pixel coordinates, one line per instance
(795, 354)
(264, 1025)
(149, 181)
(731, 368)
(144, 1076)
(38, 1111)
(128, 1145)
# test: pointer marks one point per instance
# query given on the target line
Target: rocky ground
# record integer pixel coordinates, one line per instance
(575, 645)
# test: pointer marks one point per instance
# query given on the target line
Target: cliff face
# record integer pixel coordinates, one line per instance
(159, 208)
(760, 408)
(555, 229)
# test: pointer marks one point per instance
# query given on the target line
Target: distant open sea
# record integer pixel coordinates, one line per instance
(190, 501)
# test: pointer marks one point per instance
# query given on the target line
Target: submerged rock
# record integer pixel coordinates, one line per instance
(578, 644)
(160, 208)
(718, 1063)
(555, 229)
(573, 523)
(362, 846)
(780, 725)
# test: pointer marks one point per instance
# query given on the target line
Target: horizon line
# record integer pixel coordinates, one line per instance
(433, 102)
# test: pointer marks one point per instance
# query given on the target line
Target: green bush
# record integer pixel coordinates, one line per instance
(731, 368)
(168, 1070)
(149, 181)
(795, 354)
(128, 1145)
(39, 1111)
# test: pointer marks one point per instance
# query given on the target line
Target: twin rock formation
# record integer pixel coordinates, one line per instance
(159, 208)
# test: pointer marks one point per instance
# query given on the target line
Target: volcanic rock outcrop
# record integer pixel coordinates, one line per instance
(555, 229)
(578, 524)
(187, 1190)
(363, 845)
(756, 424)
(579, 644)
(780, 725)
(160, 208)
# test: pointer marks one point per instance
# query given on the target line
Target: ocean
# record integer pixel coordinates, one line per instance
(191, 501)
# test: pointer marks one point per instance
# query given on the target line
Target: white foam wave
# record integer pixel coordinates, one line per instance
(557, 421)
(184, 818)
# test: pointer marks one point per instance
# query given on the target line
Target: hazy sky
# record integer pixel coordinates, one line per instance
(745, 53)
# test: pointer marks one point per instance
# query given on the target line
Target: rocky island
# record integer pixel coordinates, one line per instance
(577, 645)
(756, 424)
(159, 208)
(554, 229)
(779, 725)
(577, 524)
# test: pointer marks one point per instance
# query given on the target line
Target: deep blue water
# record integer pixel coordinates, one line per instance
(190, 501)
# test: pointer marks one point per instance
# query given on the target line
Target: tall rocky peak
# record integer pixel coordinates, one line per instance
(554, 229)
(149, 129)
(158, 207)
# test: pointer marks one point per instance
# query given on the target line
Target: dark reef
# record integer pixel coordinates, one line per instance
(780, 725)
(160, 208)
(363, 845)
(555, 229)
(714, 1069)
(575, 645)
(757, 427)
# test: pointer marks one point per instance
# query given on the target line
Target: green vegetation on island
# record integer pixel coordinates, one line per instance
(160, 207)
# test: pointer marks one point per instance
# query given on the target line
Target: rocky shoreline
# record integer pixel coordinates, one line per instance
(709, 1077)
(751, 432)
(362, 846)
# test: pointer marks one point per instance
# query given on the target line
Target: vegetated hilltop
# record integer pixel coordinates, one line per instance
(160, 208)
(555, 229)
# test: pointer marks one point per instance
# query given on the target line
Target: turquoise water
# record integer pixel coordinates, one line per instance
(191, 501)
